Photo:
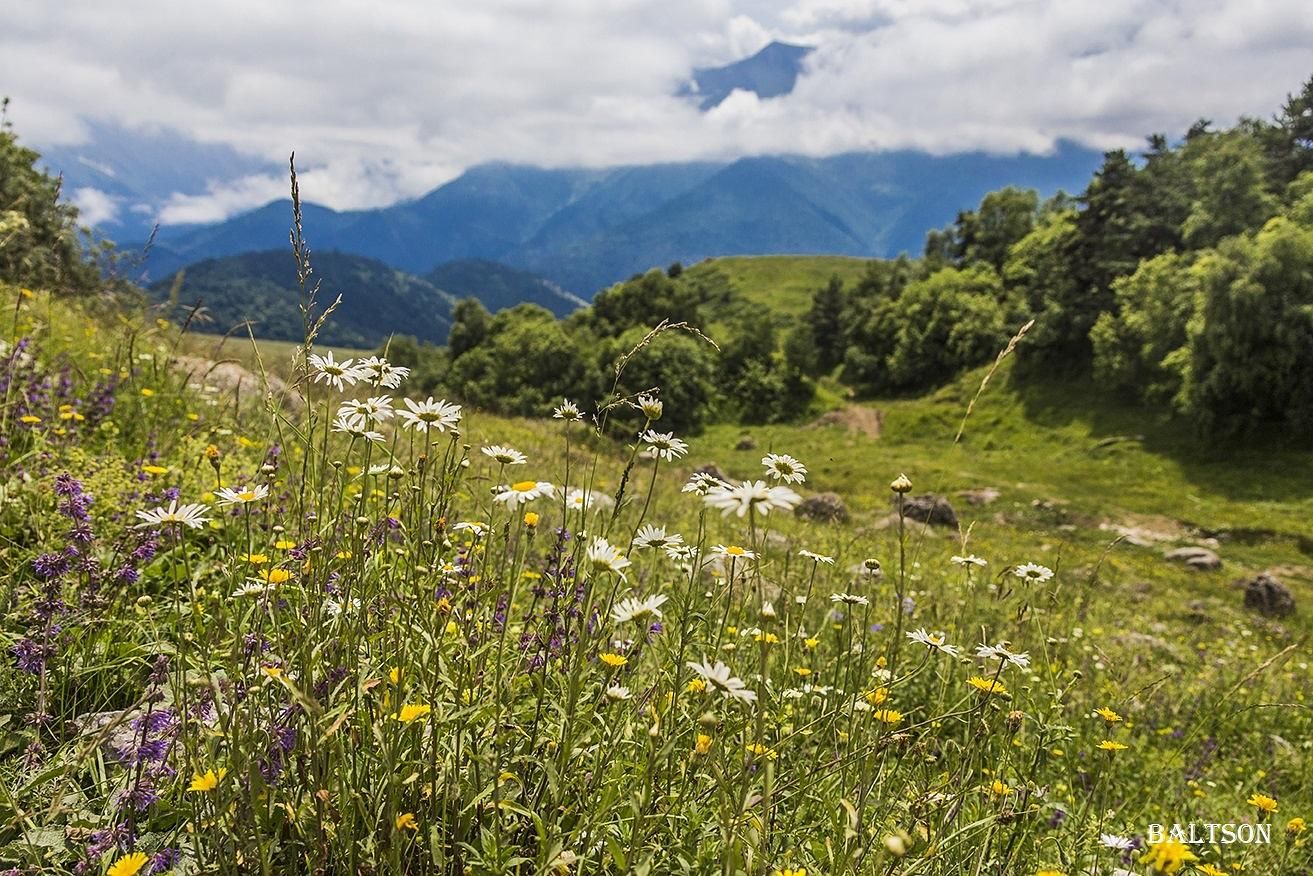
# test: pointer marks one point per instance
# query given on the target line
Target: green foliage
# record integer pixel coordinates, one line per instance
(1140, 349)
(1234, 198)
(1251, 347)
(526, 362)
(40, 241)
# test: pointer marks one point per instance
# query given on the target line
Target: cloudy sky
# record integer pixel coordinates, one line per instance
(384, 99)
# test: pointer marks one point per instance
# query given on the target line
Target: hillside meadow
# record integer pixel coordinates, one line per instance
(323, 629)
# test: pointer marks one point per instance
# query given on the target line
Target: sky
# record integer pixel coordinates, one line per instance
(386, 99)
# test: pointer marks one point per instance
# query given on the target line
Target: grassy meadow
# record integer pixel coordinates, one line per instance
(247, 635)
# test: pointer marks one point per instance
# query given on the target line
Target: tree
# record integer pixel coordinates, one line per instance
(824, 322)
(1003, 218)
(469, 326)
(40, 241)
(1232, 196)
(951, 320)
(1141, 348)
(1251, 347)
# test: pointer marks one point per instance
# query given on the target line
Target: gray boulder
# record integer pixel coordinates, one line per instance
(824, 507)
(1199, 558)
(1266, 595)
(929, 508)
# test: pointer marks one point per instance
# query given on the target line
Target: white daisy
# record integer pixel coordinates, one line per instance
(429, 414)
(582, 500)
(1001, 653)
(754, 495)
(1033, 573)
(380, 372)
(656, 537)
(191, 515)
(733, 552)
(1113, 841)
(505, 455)
(718, 676)
(470, 526)
(662, 445)
(568, 411)
(782, 467)
(355, 426)
(934, 641)
(617, 693)
(650, 406)
(632, 609)
(606, 557)
(816, 558)
(373, 410)
(849, 599)
(522, 492)
(969, 560)
(338, 375)
(250, 588)
(241, 495)
(702, 483)
(682, 553)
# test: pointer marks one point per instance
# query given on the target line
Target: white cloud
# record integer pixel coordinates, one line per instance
(383, 101)
(94, 206)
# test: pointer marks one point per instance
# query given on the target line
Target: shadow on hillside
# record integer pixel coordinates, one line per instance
(1268, 467)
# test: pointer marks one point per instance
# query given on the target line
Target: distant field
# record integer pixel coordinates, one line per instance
(784, 283)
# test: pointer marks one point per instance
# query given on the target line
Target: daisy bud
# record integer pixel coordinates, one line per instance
(709, 720)
(767, 611)
(896, 845)
(1015, 718)
(650, 406)
(268, 469)
(901, 484)
(362, 521)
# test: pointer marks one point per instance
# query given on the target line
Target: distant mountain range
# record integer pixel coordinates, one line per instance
(586, 229)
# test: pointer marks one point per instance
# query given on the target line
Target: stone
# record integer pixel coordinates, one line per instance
(1268, 596)
(747, 442)
(1199, 558)
(929, 508)
(982, 496)
(823, 507)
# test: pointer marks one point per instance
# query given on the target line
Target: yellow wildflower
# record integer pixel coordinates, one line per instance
(155, 469)
(531, 518)
(888, 716)
(1168, 857)
(413, 711)
(1296, 825)
(129, 865)
(256, 559)
(987, 686)
(1263, 803)
(276, 576)
(29, 419)
(207, 781)
(613, 660)
(1108, 714)
(1109, 745)
(703, 744)
(406, 821)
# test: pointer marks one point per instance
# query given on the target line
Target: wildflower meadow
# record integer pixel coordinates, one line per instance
(329, 627)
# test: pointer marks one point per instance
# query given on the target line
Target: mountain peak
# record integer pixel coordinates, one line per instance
(771, 72)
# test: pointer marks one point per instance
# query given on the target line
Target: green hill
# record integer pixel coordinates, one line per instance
(261, 288)
(784, 283)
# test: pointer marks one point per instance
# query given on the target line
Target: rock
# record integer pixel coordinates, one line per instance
(982, 496)
(1196, 557)
(1266, 595)
(825, 507)
(929, 509)
(747, 442)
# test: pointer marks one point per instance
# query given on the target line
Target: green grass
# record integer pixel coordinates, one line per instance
(864, 752)
(784, 283)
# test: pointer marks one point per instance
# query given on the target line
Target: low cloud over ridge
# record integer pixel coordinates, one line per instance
(386, 101)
